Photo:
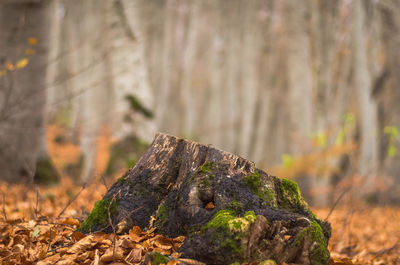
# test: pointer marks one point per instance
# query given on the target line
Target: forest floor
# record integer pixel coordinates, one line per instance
(37, 227)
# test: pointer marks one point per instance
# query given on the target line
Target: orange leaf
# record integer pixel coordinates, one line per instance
(135, 255)
(76, 236)
(71, 221)
(29, 52)
(22, 63)
(210, 206)
(110, 255)
(135, 234)
(173, 262)
(10, 66)
(33, 41)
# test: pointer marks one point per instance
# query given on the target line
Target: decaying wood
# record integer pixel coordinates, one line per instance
(254, 216)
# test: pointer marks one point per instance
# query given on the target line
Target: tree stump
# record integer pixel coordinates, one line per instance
(228, 209)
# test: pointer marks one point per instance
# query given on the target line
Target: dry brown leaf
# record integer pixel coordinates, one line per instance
(81, 245)
(135, 256)
(76, 236)
(173, 262)
(110, 255)
(179, 239)
(96, 260)
(209, 206)
(71, 221)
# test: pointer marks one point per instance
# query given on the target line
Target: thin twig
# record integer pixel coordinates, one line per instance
(4, 208)
(72, 200)
(37, 203)
(385, 250)
(104, 181)
(335, 204)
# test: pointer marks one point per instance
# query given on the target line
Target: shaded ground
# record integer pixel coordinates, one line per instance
(361, 234)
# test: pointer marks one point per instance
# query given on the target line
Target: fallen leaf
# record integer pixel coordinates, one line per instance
(9, 66)
(209, 206)
(32, 41)
(71, 221)
(22, 63)
(110, 255)
(29, 52)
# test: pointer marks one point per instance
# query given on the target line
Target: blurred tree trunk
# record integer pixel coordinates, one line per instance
(97, 61)
(368, 143)
(388, 94)
(262, 79)
(23, 151)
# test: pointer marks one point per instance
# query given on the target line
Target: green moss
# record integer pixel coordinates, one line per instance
(300, 236)
(157, 258)
(205, 182)
(161, 216)
(232, 244)
(130, 163)
(229, 228)
(319, 253)
(121, 180)
(250, 216)
(235, 206)
(221, 220)
(207, 167)
(267, 195)
(45, 172)
(99, 215)
(253, 182)
(292, 199)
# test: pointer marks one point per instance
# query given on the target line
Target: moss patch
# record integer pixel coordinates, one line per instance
(253, 182)
(161, 216)
(291, 198)
(207, 167)
(121, 180)
(99, 215)
(157, 258)
(235, 206)
(229, 228)
(319, 253)
(300, 236)
(267, 195)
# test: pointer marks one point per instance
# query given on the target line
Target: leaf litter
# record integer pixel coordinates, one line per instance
(32, 233)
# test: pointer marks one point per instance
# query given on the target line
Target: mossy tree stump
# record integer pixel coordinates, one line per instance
(227, 208)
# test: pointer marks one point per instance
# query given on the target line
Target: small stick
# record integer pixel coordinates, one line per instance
(72, 200)
(104, 181)
(37, 203)
(335, 204)
(4, 207)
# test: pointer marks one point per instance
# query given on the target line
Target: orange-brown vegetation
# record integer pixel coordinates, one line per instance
(30, 230)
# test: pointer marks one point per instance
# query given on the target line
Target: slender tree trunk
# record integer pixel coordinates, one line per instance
(24, 30)
(367, 107)
(389, 98)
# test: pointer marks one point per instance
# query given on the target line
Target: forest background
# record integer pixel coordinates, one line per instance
(307, 89)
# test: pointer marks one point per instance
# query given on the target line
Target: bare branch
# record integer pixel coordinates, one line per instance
(72, 200)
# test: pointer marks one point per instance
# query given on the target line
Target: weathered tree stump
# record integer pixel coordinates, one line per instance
(227, 208)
